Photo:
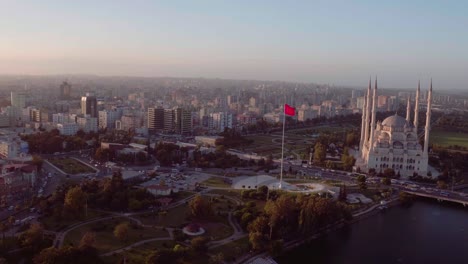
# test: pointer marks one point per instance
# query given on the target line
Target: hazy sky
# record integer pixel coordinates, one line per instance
(339, 42)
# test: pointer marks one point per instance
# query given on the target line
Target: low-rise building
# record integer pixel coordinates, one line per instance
(68, 129)
(87, 123)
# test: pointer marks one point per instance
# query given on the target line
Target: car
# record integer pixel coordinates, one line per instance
(11, 208)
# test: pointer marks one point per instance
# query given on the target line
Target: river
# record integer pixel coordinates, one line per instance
(426, 232)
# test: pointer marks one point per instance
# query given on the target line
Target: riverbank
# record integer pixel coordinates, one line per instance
(358, 216)
(428, 231)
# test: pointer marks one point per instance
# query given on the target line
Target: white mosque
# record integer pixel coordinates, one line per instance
(393, 143)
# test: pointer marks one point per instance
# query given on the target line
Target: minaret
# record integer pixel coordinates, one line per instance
(408, 110)
(363, 124)
(363, 121)
(416, 109)
(428, 121)
(368, 113)
(374, 110)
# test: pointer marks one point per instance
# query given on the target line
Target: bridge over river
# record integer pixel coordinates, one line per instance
(449, 196)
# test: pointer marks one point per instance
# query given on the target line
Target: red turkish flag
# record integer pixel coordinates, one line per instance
(289, 110)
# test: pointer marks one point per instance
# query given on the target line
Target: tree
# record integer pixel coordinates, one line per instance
(348, 160)
(37, 161)
(33, 236)
(3, 228)
(276, 247)
(343, 194)
(102, 154)
(163, 256)
(134, 204)
(351, 139)
(386, 181)
(141, 157)
(389, 173)
(200, 208)
(88, 239)
(121, 231)
(281, 214)
(405, 198)
(319, 153)
(441, 185)
(330, 164)
(50, 255)
(361, 179)
(75, 201)
(199, 244)
(67, 254)
(258, 241)
(260, 225)
(217, 259)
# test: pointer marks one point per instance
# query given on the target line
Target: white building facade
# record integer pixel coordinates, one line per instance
(68, 129)
(393, 143)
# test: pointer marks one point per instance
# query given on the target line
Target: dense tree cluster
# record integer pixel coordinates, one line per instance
(71, 201)
(217, 159)
(168, 154)
(232, 139)
(114, 194)
(290, 217)
(68, 254)
(48, 142)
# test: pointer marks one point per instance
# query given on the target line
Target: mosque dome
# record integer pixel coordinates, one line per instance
(396, 121)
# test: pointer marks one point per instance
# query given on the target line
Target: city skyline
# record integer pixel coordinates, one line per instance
(340, 44)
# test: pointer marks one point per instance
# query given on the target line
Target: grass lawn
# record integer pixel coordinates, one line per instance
(175, 217)
(216, 182)
(223, 204)
(369, 193)
(71, 166)
(232, 250)
(446, 138)
(260, 140)
(138, 254)
(216, 230)
(50, 223)
(105, 239)
(181, 195)
(232, 193)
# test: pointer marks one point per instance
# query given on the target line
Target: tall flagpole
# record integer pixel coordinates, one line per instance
(282, 147)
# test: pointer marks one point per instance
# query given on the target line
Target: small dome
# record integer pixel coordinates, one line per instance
(396, 121)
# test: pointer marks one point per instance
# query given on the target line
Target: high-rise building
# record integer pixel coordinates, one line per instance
(89, 105)
(155, 119)
(182, 121)
(60, 118)
(107, 118)
(35, 115)
(252, 102)
(18, 99)
(231, 99)
(129, 122)
(356, 93)
(221, 120)
(65, 91)
(168, 120)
